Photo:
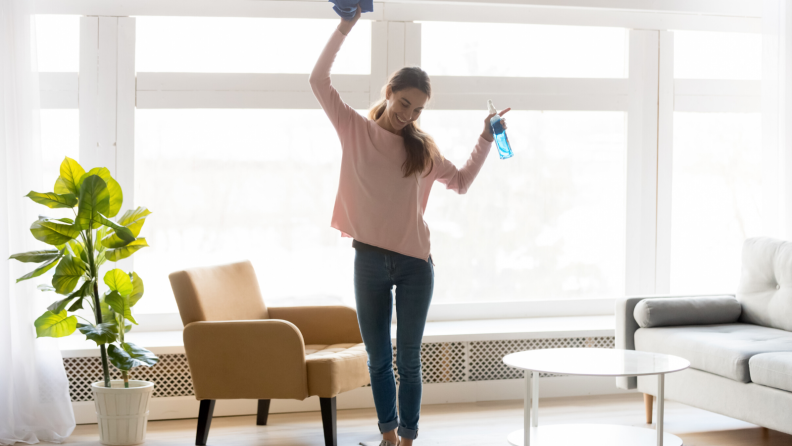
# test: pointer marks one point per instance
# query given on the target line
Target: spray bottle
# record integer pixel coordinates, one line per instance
(501, 140)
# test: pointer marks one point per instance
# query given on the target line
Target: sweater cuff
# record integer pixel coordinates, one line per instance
(484, 142)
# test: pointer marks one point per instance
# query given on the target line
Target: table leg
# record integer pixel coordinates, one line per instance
(660, 400)
(535, 400)
(527, 410)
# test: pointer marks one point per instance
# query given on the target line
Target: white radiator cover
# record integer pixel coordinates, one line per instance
(442, 362)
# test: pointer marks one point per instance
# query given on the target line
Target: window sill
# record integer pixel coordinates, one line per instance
(170, 342)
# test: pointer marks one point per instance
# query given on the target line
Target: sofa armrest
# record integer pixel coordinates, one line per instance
(322, 324)
(626, 326)
(256, 359)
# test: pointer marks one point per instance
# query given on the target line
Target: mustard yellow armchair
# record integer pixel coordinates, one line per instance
(237, 348)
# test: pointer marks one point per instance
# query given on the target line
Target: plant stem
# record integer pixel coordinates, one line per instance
(126, 378)
(97, 307)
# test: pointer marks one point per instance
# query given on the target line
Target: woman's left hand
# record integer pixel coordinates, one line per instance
(487, 133)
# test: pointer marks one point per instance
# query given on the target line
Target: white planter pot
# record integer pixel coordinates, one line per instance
(122, 412)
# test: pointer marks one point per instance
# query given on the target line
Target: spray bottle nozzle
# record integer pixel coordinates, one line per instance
(491, 107)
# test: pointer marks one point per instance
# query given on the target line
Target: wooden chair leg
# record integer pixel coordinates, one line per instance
(262, 413)
(648, 400)
(204, 421)
(328, 406)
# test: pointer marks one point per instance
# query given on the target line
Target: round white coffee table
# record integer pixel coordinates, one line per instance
(590, 362)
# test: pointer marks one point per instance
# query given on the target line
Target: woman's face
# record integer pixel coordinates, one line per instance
(405, 106)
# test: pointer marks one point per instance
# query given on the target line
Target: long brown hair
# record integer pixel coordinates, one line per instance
(421, 148)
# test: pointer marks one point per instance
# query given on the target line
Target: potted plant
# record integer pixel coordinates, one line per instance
(81, 246)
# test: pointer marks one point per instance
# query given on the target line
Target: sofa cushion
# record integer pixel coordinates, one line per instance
(765, 290)
(694, 310)
(772, 370)
(722, 349)
(336, 368)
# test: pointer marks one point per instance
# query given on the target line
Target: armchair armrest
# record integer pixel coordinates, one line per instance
(626, 326)
(256, 359)
(322, 324)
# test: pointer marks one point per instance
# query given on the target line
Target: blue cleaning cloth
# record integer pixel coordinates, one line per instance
(347, 8)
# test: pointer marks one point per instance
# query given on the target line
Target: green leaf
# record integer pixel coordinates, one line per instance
(53, 232)
(137, 289)
(100, 234)
(77, 249)
(132, 219)
(69, 180)
(55, 325)
(36, 256)
(104, 333)
(94, 200)
(67, 274)
(100, 259)
(44, 287)
(77, 305)
(123, 252)
(120, 304)
(107, 313)
(130, 355)
(60, 305)
(123, 233)
(53, 200)
(43, 268)
(118, 280)
(132, 216)
(113, 189)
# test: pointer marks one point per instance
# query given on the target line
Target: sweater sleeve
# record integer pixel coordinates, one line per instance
(459, 180)
(337, 110)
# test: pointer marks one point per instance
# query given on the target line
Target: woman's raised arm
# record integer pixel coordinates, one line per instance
(337, 110)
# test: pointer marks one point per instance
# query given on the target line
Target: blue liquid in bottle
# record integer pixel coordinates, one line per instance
(501, 140)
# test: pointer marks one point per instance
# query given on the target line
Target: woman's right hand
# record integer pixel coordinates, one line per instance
(346, 25)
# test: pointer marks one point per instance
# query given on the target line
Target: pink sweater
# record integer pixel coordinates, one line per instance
(375, 204)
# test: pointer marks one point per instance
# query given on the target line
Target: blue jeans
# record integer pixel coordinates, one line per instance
(375, 275)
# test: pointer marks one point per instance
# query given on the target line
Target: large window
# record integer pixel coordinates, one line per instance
(717, 55)
(245, 45)
(232, 185)
(717, 164)
(236, 160)
(520, 50)
(548, 223)
(58, 42)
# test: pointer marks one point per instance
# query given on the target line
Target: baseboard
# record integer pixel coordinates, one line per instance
(447, 393)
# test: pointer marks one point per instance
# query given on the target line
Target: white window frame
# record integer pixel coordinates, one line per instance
(107, 90)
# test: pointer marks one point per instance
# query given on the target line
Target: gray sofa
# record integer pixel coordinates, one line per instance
(739, 346)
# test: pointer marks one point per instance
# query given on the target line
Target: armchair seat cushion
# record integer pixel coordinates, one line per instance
(721, 349)
(335, 368)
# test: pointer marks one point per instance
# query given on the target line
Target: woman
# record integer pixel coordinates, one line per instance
(387, 170)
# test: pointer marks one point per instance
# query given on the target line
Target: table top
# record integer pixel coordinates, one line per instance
(595, 362)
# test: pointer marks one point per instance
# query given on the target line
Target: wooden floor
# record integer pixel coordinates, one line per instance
(472, 424)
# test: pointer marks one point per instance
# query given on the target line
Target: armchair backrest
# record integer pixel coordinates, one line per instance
(765, 290)
(218, 293)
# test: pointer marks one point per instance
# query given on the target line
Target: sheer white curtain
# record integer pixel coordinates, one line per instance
(34, 391)
(777, 116)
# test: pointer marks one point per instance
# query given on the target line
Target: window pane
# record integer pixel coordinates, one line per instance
(716, 198)
(716, 55)
(58, 42)
(548, 223)
(246, 45)
(230, 185)
(510, 49)
(59, 138)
